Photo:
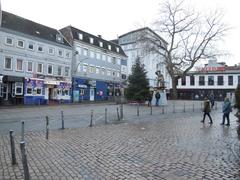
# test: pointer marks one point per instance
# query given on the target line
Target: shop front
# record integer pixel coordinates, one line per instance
(12, 90)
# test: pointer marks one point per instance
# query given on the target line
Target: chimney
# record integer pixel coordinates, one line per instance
(100, 36)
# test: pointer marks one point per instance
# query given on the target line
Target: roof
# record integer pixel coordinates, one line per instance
(25, 26)
(86, 39)
(142, 29)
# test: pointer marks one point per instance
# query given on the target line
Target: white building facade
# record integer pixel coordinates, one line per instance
(215, 79)
(152, 62)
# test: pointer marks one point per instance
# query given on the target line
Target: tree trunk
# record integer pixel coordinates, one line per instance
(174, 88)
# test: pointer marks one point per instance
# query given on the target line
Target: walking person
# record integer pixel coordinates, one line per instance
(212, 101)
(226, 109)
(150, 95)
(206, 110)
(157, 96)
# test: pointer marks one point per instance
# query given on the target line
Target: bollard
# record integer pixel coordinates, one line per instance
(22, 133)
(118, 114)
(91, 120)
(138, 110)
(174, 108)
(150, 109)
(216, 105)
(47, 128)
(105, 115)
(12, 147)
(121, 111)
(62, 117)
(193, 107)
(163, 110)
(184, 109)
(24, 160)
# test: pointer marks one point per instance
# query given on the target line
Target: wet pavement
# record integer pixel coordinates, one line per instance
(170, 144)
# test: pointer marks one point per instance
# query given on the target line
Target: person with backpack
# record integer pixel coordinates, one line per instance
(150, 95)
(226, 109)
(206, 110)
(157, 96)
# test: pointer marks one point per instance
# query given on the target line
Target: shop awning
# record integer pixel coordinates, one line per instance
(6, 79)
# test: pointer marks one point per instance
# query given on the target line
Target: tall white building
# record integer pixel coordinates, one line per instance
(152, 61)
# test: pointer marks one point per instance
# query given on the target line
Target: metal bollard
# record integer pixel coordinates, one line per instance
(150, 109)
(12, 147)
(105, 115)
(216, 105)
(121, 111)
(138, 110)
(22, 133)
(47, 127)
(163, 110)
(91, 120)
(184, 108)
(174, 108)
(193, 107)
(118, 114)
(62, 118)
(24, 160)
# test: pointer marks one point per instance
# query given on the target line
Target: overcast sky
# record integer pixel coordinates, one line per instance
(111, 18)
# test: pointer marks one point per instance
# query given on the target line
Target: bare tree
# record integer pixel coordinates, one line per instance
(191, 37)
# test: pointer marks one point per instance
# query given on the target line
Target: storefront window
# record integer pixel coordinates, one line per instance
(19, 88)
(29, 90)
(65, 92)
(39, 91)
(1, 90)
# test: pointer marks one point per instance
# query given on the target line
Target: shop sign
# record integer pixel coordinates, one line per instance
(92, 83)
(52, 82)
(221, 68)
(82, 86)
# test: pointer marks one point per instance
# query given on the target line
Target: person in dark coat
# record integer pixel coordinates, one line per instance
(150, 95)
(206, 110)
(212, 100)
(157, 96)
(226, 109)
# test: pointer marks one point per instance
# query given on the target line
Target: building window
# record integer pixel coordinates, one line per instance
(103, 71)
(220, 80)
(97, 70)
(59, 38)
(29, 90)
(80, 36)
(100, 44)
(119, 61)
(40, 68)
(31, 46)
(19, 65)
(109, 47)
(210, 80)
(183, 79)
(29, 66)
(20, 44)
(114, 60)
(192, 80)
(85, 67)
(50, 69)
(91, 40)
(9, 41)
(66, 71)
(201, 80)
(118, 74)
(67, 54)
(18, 88)
(92, 54)
(109, 59)
(51, 51)
(40, 48)
(91, 69)
(117, 48)
(38, 91)
(60, 53)
(230, 80)
(85, 52)
(8, 63)
(109, 72)
(59, 70)
(104, 57)
(98, 55)
(113, 73)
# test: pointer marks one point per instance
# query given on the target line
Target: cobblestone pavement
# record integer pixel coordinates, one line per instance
(174, 146)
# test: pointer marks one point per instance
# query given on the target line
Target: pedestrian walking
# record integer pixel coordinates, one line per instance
(212, 101)
(206, 110)
(226, 109)
(157, 96)
(150, 95)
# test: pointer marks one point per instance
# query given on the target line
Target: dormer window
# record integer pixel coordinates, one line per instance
(109, 47)
(117, 49)
(59, 38)
(100, 44)
(37, 32)
(80, 36)
(91, 40)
